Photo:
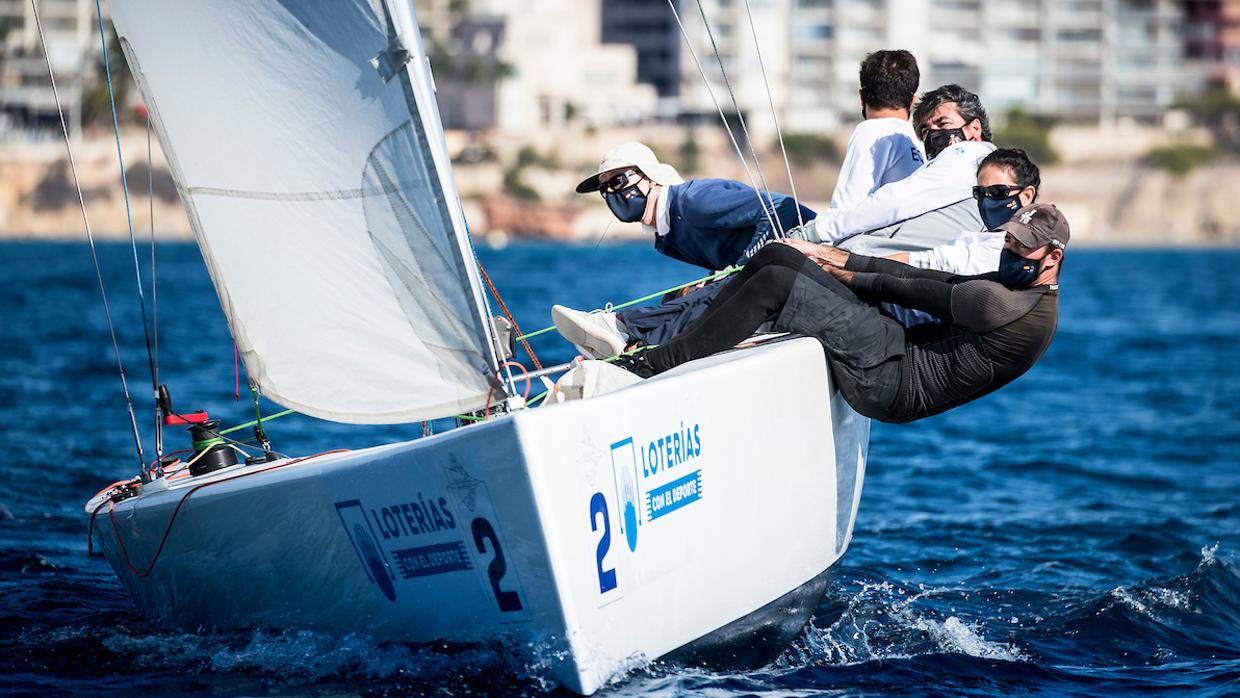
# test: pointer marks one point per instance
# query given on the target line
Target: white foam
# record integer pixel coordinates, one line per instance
(882, 622)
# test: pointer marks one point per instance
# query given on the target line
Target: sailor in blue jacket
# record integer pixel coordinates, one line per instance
(713, 223)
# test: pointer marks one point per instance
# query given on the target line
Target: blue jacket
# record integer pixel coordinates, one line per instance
(714, 223)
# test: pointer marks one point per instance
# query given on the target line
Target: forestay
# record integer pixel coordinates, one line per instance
(306, 145)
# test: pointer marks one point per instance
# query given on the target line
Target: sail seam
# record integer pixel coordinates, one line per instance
(326, 195)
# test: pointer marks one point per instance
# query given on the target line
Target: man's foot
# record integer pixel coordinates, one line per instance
(637, 364)
(596, 335)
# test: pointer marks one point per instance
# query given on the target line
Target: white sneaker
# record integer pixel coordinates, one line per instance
(596, 335)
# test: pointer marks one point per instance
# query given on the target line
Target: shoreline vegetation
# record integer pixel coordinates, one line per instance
(1123, 185)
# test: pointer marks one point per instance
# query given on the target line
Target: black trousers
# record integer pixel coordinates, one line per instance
(864, 347)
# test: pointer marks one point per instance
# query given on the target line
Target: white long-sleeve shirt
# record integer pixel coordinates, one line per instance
(946, 179)
(880, 151)
(970, 253)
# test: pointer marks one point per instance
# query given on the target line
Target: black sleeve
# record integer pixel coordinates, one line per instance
(934, 297)
(976, 304)
(881, 265)
(986, 305)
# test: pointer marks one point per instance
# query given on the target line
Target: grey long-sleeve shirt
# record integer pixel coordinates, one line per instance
(989, 336)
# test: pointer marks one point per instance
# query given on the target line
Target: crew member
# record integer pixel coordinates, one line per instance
(995, 326)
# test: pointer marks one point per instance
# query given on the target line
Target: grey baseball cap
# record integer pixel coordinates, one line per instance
(1038, 225)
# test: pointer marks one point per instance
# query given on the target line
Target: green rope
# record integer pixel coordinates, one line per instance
(249, 424)
(652, 296)
(208, 443)
(540, 396)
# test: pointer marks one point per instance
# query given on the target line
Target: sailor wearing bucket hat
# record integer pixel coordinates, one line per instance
(713, 223)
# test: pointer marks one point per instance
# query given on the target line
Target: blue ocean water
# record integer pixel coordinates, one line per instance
(1076, 532)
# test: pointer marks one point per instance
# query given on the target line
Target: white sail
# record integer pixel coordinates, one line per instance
(307, 147)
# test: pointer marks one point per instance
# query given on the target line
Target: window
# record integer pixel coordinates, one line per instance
(812, 31)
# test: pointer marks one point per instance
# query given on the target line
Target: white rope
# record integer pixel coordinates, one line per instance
(64, 128)
(774, 114)
(726, 126)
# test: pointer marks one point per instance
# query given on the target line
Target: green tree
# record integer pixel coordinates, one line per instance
(1179, 159)
(690, 153)
(1030, 133)
(1218, 110)
(808, 149)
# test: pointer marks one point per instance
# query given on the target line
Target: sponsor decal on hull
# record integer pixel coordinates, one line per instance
(653, 478)
(444, 529)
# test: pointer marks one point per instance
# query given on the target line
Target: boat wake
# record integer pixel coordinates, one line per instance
(870, 630)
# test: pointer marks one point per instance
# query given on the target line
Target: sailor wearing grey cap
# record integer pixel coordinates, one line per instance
(993, 327)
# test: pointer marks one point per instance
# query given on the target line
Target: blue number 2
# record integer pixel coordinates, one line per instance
(606, 578)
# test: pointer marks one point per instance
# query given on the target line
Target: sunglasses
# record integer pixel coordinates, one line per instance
(616, 182)
(995, 191)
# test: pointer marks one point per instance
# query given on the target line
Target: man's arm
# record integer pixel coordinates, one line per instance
(945, 180)
(973, 253)
(977, 304)
(880, 265)
(934, 297)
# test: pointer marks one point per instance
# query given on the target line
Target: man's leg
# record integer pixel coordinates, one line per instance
(756, 294)
(657, 324)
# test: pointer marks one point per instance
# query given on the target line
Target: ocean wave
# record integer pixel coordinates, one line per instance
(293, 659)
(883, 621)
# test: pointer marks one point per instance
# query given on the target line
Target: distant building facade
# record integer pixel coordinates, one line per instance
(1084, 60)
(542, 65)
(27, 105)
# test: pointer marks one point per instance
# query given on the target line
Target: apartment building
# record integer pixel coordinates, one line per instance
(1085, 60)
(27, 105)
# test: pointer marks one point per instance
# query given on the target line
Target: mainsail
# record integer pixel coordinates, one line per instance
(306, 144)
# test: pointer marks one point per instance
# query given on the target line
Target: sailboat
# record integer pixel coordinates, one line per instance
(684, 514)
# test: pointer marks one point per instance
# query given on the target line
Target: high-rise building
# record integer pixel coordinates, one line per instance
(1076, 59)
(542, 62)
(27, 104)
(650, 28)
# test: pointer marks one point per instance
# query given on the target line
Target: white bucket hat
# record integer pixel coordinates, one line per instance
(635, 155)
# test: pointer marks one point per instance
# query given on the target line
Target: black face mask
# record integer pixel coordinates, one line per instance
(938, 139)
(1017, 272)
(996, 212)
(627, 204)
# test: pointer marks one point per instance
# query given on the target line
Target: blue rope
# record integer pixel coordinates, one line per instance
(133, 241)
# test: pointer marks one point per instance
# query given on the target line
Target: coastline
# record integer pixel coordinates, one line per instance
(1109, 194)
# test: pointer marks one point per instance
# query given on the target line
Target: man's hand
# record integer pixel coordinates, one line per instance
(845, 276)
(805, 247)
(834, 256)
(822, 255)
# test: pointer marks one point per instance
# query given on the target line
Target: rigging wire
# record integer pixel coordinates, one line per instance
(774, 114)
(740, 117)
(133, 241)
(64, 128)
(726, 126)
(150, 197)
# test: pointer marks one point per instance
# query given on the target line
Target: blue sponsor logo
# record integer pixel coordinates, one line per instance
(670, 450)
(366, 545)
(680, 492)
(639, 471)
(624, 467)
(426, 560)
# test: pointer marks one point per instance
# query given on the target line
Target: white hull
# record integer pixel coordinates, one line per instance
(597, 532)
